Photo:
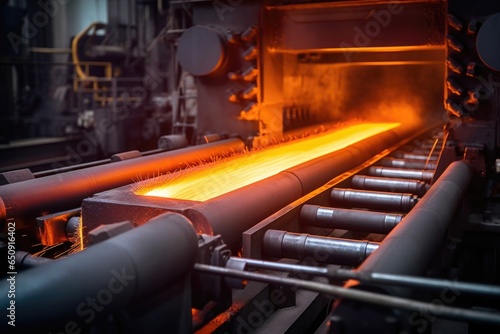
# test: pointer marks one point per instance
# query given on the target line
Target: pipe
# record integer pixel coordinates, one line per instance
(28, 199)
(490, 291)
(323, 249)
(358, 295)
(74, 47)
(135, 265)
(416, 187)
(249, 205)
(352, 220)
(350, 198)
(340, 274)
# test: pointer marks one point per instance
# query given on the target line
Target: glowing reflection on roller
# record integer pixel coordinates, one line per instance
(212, 180)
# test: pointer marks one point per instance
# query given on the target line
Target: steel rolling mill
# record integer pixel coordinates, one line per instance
(270, 166)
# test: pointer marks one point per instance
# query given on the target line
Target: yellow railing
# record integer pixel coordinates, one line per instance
(83, 81)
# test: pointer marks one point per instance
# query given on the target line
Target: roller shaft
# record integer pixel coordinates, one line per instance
(323, 249)
(389, 184)
(354, 220)
(414, 174)
(349, 198)
(404, 163)
(413, 156)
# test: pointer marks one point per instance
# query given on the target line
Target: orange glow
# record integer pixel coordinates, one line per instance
(216, 179)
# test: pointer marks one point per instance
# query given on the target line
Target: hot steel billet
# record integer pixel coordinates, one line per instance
(386, 201)
(28, 199)
(322, 249)
(377, 299)
(353, 220)
(403, 163)
(412, 156)
(233, 213)
(414, 174)
(134, 265)
(408, 248)
(363, 182)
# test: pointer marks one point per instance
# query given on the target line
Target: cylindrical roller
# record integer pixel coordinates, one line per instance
(350, 198)
(135, 265)
(172, 142)
(413, 174)
(72, 229)
(413, 156)
(28, 199)
(363, 182)
(353, 220)
(403, 163)
(322, 249)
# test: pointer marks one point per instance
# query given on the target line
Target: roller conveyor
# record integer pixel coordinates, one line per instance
(237, 166)
(347, 230)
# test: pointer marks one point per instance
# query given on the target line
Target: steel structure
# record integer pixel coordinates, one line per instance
(389, 231)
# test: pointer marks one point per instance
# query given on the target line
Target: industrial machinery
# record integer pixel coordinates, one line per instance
(329, 167)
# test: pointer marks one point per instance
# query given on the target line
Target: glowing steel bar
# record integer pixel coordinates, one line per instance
(213, 180)
(23, 201)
